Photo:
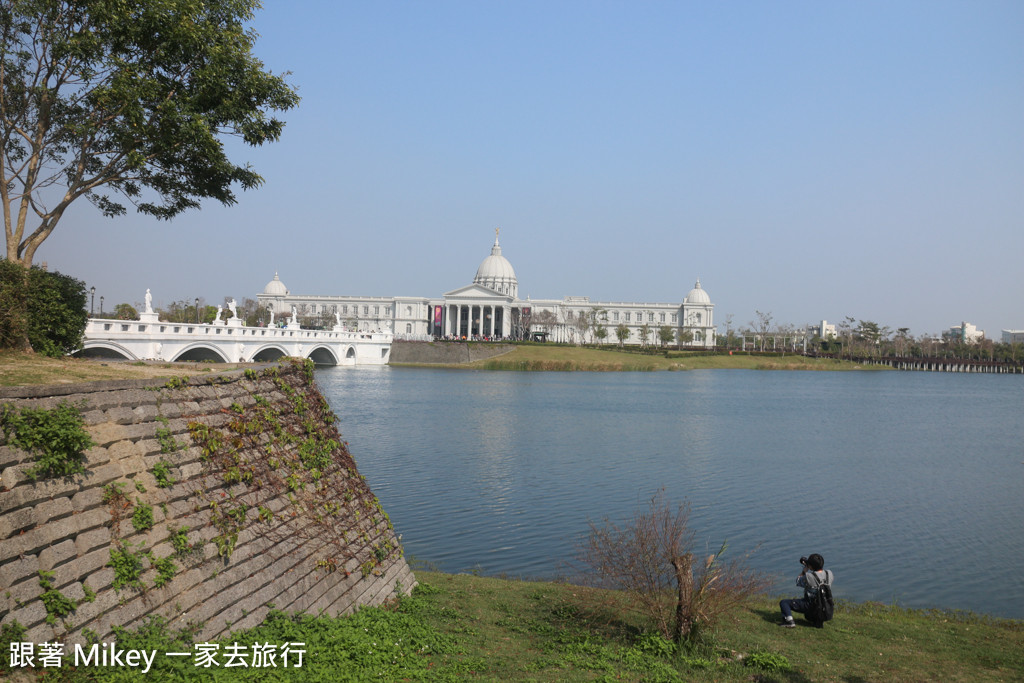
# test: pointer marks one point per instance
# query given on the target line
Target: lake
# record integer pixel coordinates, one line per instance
(908, 483)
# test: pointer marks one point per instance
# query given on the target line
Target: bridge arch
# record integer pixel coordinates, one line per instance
(200, 352)
(322, 355)
(351, 353)
(269, 354)
(104, 349)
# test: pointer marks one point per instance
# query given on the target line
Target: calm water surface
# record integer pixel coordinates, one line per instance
(909, 484)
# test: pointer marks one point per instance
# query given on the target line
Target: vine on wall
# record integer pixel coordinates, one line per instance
(264, 453)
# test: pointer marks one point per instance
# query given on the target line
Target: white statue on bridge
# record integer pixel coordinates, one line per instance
(233, 307)
(149, 302)
(337, 319)
(217, 319)
(271, 317)
(295, 316)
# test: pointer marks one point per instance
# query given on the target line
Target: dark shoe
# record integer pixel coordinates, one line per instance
(787, 624)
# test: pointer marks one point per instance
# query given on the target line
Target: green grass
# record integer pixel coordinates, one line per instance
(462, 627)
(25, 369)
(552, 357)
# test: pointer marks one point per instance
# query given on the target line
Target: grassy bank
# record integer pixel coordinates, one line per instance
(22, 369)
(562, 358)
(462, 627)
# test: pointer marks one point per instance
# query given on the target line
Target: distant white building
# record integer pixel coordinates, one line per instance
(823, 330)
(1013, 336)
(966, 333)
(490, 308)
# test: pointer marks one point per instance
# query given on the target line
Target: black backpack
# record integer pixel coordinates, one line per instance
(820, 604)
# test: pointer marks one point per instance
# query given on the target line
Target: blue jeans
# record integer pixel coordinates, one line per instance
(792, 605)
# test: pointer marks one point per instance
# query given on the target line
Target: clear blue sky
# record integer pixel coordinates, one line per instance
(811, 159)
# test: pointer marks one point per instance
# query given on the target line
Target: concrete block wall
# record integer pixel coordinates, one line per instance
(303, 539)
(444, 352)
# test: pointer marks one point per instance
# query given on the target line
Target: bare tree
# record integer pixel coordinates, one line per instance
(583, 325)
(762, 326)
(654, 559)
(546, 320)
(598, 326)
(728, 330)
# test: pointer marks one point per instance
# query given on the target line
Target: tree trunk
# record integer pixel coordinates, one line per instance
(684, 584)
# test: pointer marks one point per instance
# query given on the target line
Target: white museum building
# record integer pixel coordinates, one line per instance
(490, 308)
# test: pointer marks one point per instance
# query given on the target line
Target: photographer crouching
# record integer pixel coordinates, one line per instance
(811, 579)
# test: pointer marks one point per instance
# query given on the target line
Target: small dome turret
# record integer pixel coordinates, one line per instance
(275, 287)
(697, 295)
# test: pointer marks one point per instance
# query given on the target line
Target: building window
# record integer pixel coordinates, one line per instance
(366, 310)
(698, 318)
(334, 308)
(615, 316)
(408, 328)
(344, 308)
(408, 311)
(650, 316)
(675, 317)
(376, 310)
(312, 309)
(661, 317)
(627, 316)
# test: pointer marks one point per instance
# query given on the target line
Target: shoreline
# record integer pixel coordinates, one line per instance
(568, 358)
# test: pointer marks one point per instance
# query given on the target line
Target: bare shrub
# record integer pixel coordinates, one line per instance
(653, 558)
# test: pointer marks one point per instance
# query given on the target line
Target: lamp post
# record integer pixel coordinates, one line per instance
(101, 306)
(92, 301)
(197, 310)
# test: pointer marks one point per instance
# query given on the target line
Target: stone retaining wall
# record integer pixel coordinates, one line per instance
(276, 512)
(444, 352)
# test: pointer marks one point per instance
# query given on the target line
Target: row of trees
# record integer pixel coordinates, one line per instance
(862, 339)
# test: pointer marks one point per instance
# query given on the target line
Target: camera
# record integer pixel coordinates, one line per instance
(803, 560)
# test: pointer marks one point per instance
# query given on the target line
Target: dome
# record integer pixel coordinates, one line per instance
(697, 295)
(495, 272)
(275, 287)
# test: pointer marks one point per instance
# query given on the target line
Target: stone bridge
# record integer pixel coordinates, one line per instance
(230, 342)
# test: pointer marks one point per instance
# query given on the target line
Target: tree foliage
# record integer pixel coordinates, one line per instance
(125, 312)
(622, 333)
(46, 308)
(666, 334)
(126, 101)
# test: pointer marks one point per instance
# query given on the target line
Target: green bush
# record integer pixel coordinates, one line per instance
(47, 308)
(56, 437)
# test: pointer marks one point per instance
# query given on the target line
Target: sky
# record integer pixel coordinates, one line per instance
(805, 159)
